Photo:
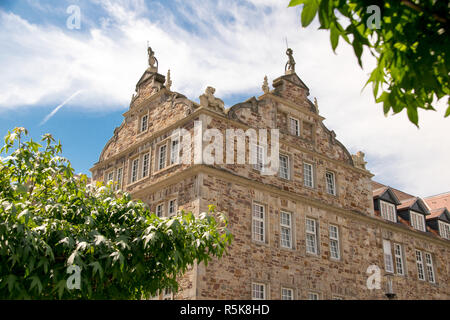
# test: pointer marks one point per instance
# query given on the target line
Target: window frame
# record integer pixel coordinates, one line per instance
(119, 178)
(444, 229)
(175, 207)
(419, 263)
(310, 165)
(429, 267)
(174, 159)
(159, 163)
(295, 132)
(312, 233)
(134, 170)
(159, 205)
(335, 239)
(333, 182)
(415, 221)
(289, 290)
(388, 258)
(386, 214)
(261, 220)
(288, 227)
(399, 259)
(141, 122)
(263, 286)
(146, 166)
(313, 294)
(288, 167)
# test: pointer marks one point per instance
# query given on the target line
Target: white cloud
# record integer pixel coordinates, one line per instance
(231, 46)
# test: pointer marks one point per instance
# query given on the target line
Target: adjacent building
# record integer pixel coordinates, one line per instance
(320, 228)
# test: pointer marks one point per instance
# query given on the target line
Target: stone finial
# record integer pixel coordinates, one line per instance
(265, 86)
(209, 101)
(316, 104)
(168, 83)
(358, 160)
(152, 61)
(290, 65)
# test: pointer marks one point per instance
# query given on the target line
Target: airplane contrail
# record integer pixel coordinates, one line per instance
(51, 114)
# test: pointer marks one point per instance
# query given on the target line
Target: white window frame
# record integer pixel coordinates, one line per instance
(330, 184)
(417, 221)
(110, 176)
(160, 210)
(259, 151)
(172, 207)
(145, 165)
(294, 129)
(399, 260)
(134, 176)
(444, 229)
(143, 128)
(162, 156)
(286, 225)
(287, 293)
(259, 223)
(388, 211)
(313, 296)
(119, 178)
(388, 260)
(335, 247)
(420, 266)
(429, 267)
(167, 294)
(308, 182)
(258, 291)
(311, 236)
(285, 173)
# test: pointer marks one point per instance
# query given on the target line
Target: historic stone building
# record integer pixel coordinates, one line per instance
(317, 229)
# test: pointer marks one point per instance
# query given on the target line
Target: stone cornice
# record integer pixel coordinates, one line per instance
(202, 110)
(224, 174)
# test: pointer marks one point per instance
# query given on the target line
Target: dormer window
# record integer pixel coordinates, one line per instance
(417, 221)
(388, 211)
(444, 230)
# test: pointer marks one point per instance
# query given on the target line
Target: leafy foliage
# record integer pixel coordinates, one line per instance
(411, 45)
(51, 219)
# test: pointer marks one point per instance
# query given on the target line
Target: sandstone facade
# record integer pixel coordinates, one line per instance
(237, 189)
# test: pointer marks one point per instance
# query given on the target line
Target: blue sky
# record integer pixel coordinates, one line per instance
(230, 45)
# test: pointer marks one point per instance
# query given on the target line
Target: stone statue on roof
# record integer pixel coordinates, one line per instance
(152, 61)
(208, 100)
(290, 65)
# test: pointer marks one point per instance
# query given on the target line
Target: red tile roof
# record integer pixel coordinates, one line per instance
(438, 201)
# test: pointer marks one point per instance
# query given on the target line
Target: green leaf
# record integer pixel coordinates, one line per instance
(36, 282)
(334, 37)
(309, 12)
(447, 113)
(296, 2)
(413, 115)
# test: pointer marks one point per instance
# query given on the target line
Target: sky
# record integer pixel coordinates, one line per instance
(77, 82)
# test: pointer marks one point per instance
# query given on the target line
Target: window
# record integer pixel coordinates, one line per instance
(110, 177)
(160, 210)
(335, 252)
(284, 167)
(287, 294)
(430, 269)
(388, 263)
(331, 185)
(308, 175)
(311, 236)
(417, 221)
(162, 157)
(286, 229)
(444, 230)
(144, 121)
(388, 211)
(175, 151)
(119, 178)
(172, 209)
(294, 126)
(258, 223)
(419, 262)
(167, 295)
(258, 291)
(259, 152)
(313, 296)
(145, 164)
(134, 170)
(337, 298)
(398, 253)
